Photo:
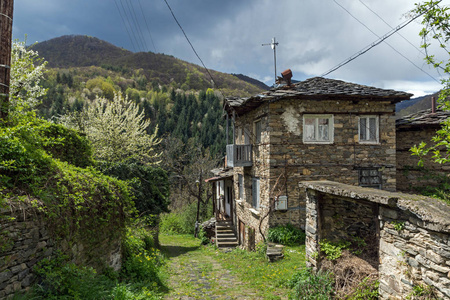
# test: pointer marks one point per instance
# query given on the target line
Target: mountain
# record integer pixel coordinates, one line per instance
(75, 51)
(408, 107)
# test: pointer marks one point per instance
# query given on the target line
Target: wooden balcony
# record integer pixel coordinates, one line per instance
(239, 156)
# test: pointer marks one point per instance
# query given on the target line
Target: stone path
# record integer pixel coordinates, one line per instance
(194, 275)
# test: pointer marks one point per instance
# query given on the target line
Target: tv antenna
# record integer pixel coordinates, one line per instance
(274, 45)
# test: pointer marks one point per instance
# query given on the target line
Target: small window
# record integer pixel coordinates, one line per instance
(258, 131)
(368, 129)
(255, 193)
(370, 178)
(318, 129)
(241, 186)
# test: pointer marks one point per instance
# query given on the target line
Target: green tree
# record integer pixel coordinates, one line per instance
(436, 32)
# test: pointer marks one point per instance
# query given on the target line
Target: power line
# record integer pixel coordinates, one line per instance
(123, 21)
(193, 49)
(148, 28)
(137, 25)
(129, 24)
(421, 52)
(379, 41)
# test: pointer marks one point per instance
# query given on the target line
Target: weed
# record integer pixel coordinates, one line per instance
(422, 292)
(310, 285)
(399, 226)
(287, 235)
(366, 290)
(333, 251)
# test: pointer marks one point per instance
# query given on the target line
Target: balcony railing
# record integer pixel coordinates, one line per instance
(239, 156)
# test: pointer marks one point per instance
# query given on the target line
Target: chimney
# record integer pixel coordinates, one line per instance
(287, 75)
(433, 105)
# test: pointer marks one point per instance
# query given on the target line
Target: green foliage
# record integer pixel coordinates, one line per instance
(331, 250)
(422, 292)
(140, 277)
(366, 290)
(65, 144)
(261, 249)
(436, 30)
(399, 226)
(286, 235)
(80, 203)
(202, 236)
(59, 279)
(309, 285)
(141, 261)
(171, 223)
(149, 185)
(181, 221)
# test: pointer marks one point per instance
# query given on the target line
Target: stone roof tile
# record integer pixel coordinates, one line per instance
(318, 88)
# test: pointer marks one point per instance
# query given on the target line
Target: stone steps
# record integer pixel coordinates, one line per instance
(225, 236)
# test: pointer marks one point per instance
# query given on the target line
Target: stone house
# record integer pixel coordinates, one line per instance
(412, 130)
(318, 129)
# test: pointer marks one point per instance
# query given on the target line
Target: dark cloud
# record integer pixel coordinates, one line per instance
(314, 36)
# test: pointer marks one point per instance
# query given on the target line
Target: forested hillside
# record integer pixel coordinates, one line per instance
(82, 51)
(175, 95)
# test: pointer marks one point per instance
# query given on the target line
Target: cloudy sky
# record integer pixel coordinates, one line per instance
(314, 35)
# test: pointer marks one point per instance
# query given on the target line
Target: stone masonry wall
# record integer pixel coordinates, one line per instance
(282, 160)
(254, 218)
(25, 240)
(409, 176)
(413, 242)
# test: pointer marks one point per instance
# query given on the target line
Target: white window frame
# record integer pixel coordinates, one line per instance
(330, 139)
(368, 130)
(258, 133)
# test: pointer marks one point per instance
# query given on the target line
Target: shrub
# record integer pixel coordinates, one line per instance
(182, 221)
(333, 251)
(149, 185)
(309, 285)
(57, 278)
(286, 235)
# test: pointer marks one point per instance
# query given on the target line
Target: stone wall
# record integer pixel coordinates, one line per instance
(412, 234)
(282, 159)
(25, 240)
(410, 177)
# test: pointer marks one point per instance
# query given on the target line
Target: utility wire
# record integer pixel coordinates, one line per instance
(137, 25)
(384, 21)
(125, 25)
(129, 24)
(148, 28)
(193, 49)
(379, 41)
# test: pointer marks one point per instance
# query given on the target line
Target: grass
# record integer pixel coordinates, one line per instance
(204, 272)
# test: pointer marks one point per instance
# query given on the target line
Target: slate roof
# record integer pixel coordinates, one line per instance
(423, 118)
(317, 88)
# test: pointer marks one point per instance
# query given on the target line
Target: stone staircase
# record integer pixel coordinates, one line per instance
(225, 236)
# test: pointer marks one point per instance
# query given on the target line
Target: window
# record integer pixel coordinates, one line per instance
(370, 178)
(368, 129)
(241, 186)
(318, 129)
(258, 131)
(255, 193)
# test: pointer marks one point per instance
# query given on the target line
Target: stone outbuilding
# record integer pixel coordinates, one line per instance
(412, 130)
(317, 129)
(408, 235)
